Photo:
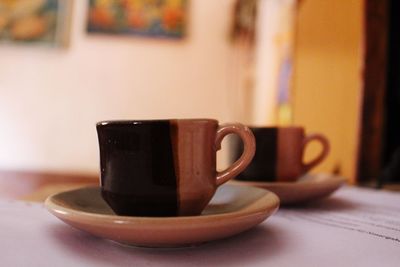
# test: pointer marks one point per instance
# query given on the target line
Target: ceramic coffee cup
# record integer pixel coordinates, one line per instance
(165, 167)
(279, 154)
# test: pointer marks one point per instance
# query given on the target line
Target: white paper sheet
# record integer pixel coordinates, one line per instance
(355, 227)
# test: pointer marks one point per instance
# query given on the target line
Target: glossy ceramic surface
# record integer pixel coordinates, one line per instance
(165, 167)
(279, 154)
(232, 210)
(308, 188)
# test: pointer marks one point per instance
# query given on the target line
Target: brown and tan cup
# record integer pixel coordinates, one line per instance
(165, 167)
(279, 154)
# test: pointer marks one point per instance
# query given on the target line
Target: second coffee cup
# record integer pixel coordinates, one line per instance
(279, 154)
(165, 167)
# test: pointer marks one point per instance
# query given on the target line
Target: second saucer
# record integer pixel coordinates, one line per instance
(309, 187)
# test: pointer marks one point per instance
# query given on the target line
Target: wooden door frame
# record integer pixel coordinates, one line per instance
(376, 32)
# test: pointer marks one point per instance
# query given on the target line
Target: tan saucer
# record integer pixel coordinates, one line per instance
(308, 188)
(233, 209)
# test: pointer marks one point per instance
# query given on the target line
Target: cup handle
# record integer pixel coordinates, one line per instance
(324, 152)
(248, 153)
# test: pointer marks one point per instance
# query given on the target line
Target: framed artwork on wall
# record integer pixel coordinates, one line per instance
(149, 18)
(44, 22)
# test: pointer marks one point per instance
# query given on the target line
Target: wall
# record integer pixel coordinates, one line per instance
(51, 99)
(274, 48)
(327, 79)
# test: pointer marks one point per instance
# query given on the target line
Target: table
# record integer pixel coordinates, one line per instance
(354, 227)
(37, 186)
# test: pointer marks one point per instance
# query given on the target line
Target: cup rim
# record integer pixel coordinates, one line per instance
(137, 122)
(275, 127)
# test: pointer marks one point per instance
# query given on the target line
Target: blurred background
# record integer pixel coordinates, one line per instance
(64, 65)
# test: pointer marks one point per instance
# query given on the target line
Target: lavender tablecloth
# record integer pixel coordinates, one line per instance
(354, 227)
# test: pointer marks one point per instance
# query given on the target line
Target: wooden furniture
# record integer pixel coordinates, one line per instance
(374, 86)
(379, 146)
(37, 186)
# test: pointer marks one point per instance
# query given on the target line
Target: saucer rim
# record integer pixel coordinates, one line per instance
(310, 187)
(271, 206)
(329, 178)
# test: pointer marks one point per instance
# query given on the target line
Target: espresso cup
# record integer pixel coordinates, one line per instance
(279, 154)
(165, 167)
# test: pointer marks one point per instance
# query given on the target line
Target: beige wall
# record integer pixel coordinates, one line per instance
(327, 78)
(275, 33)
(50, 99)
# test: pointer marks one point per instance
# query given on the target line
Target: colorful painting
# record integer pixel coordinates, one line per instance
(153, 18)
(35, 21)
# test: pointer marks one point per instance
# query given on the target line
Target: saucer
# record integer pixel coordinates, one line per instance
(308, 188)
(232, 210)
